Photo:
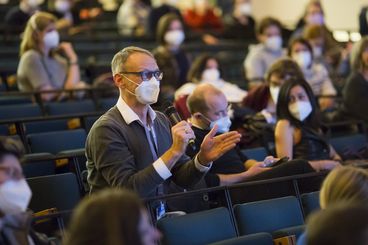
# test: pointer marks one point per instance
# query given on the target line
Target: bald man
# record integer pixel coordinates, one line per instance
(209, 107)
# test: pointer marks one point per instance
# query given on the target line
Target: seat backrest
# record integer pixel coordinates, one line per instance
(261, 238)
(310, 202)
(71, 107)
(197, 228)
(19, 111)
(59, 191)
(268, 215)
(258, 153)
(106, 103)
(46, 126)
(57, 141)
(350, 142)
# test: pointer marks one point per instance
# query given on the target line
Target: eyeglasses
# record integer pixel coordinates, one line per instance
(146, 75)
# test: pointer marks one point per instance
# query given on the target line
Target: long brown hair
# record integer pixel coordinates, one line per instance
(37, 23)
(109, 217)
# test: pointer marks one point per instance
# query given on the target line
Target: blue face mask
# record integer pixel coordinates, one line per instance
(223, 124)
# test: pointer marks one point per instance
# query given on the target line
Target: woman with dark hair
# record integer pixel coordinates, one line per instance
(356, 89)
(263, 98)
(111, 217)
(170, 57)
(297, 133)
(315, 73)
(207, 69)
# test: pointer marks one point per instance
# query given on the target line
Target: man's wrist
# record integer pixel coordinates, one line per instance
(202, 161)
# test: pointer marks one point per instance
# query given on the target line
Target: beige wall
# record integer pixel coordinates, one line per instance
(340, 14)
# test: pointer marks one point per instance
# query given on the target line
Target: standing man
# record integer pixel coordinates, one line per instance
(131, 145)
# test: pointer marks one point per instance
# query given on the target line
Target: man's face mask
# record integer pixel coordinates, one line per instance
(15, 196)
(223, 123)
(147, 91)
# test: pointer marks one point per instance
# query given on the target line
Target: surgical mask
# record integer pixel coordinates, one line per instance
(32, 3)
(14, 196)
(300, 110)
(316, 19)
(62, 6)
(274, 91)
(274, 43)
(51, 39)
(303, 58)
(147, 91)
(317, 51)
(245, 9)
(175, 37)
(223, 124)
(210, 75)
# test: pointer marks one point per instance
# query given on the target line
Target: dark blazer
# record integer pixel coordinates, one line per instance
(118, 154)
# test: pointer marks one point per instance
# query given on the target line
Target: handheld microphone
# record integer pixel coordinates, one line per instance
(175, 118)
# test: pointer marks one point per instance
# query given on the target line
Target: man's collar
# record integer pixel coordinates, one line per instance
(129, 115)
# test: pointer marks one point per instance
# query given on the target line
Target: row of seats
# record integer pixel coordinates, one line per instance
(262, 220)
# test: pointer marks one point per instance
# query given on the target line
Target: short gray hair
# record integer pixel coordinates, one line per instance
(121, 57)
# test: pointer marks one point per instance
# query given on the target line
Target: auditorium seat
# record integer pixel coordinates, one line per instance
(345, 145)
(19, 111)
(57, 141)
(268, 215)
(310, 202)
(59, 191)
(197, 228)
(258, 153)
(261, 238)
(70, 107)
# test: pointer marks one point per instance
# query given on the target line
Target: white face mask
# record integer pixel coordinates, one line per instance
(317, 52)
(223, 124)
(146, 92)
(303, 58)
(175, 37)
(316, 19)
(14, 196)
(51, 39)
(32, 3)
(62, 6)
(274, 43)
(300, 110)
(274, 91)
(210, 75)
(245, 9)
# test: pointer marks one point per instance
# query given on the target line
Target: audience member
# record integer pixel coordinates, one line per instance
(363, 21)
(209, 107)
(131, 145)
(61, 9)
(263, 98)
(240, 23)
(207, 68)
(42, 65)
(344, 185)
(340, 224)
(356, 88)
(15, 195)
(315, 73)
(170, 57)
(297, 133)
(166, 7)
(132, 18)
(17, 17)
(121, 218)
(202, 17)
(264, 54)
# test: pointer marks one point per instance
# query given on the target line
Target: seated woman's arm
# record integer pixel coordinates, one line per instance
(73, 73)
(284, 139)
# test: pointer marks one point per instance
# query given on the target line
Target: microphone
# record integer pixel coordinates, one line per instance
(175, 118)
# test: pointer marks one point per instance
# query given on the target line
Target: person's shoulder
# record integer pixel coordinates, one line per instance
(319, 68)
(283, 124)
(108, 119)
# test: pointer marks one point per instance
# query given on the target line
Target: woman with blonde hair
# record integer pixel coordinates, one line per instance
(347, 184)
(46, 64)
